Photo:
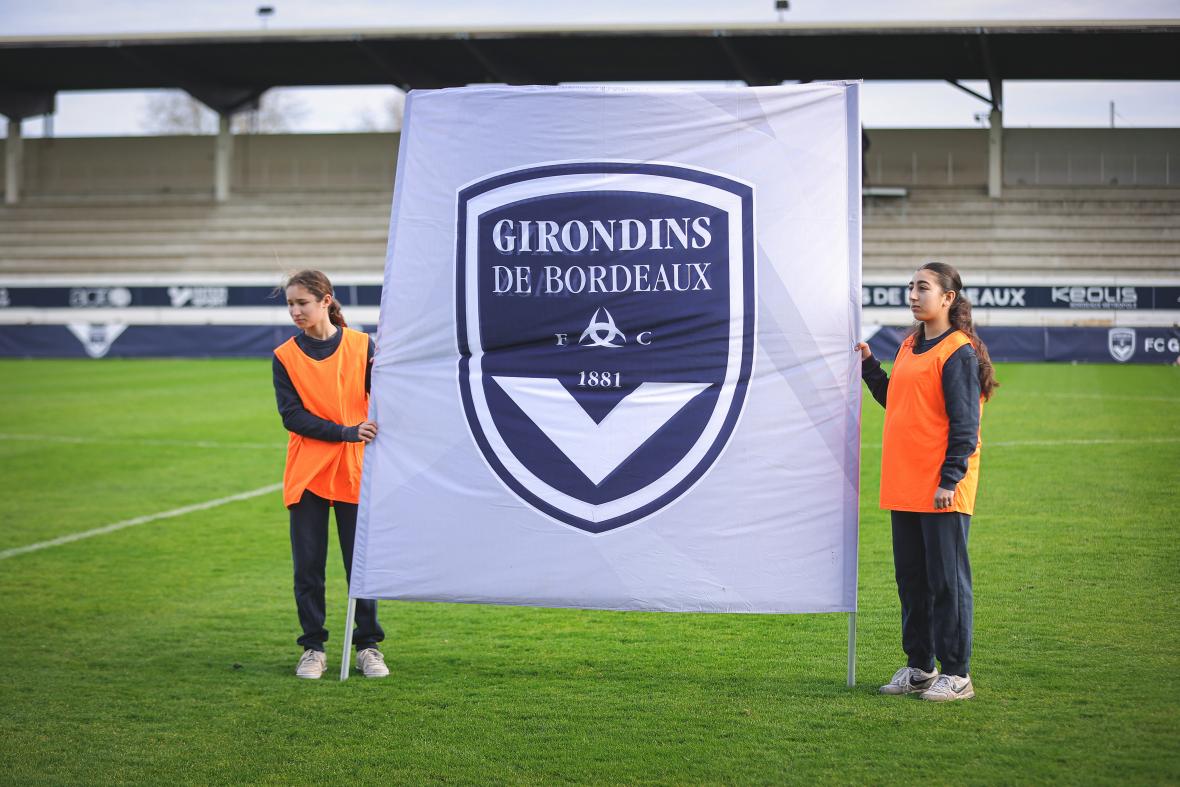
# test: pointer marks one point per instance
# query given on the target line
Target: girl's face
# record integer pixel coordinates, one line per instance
(303, 307)
(927, 298)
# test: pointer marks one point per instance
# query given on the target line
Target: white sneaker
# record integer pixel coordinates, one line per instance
(371, 663)
(311, 664)
(909, 680)
(949, 687)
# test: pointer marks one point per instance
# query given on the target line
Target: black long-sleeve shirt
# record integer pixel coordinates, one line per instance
(296, 417)
(960, 389)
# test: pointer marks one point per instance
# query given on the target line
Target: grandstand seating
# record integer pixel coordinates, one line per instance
(1086, 204)
(1048, 232)
(1079, 231)
(255, 233)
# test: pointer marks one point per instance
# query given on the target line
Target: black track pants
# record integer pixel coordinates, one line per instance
(309, 553)
(934, 585)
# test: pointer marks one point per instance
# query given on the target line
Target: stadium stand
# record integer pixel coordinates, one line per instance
(1045, 232)
(1098, 209)
(262, 232)
(1076, 203)
(143, 205)
(97, 206)
(1081, 231)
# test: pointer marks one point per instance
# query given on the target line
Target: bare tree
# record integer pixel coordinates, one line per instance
(176, 112)
(387, 118)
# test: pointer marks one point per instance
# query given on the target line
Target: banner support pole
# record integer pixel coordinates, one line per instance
(345, 658)
(851, 649)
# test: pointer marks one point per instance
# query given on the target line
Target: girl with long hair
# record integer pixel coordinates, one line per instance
(933, 403)
(321, 380)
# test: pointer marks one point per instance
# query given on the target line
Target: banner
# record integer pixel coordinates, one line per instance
(172, 296)
(1085, 297)
(120, 340)
(1088, 297)
(1138, 344)
(615, 363)
(1069, 344)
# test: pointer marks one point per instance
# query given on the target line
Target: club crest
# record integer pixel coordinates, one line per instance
(605, 315)
(1121, 342)
(97, 338)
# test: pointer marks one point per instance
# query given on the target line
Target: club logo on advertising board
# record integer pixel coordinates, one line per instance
(605, 318)
(96, 338)
(1121, 342)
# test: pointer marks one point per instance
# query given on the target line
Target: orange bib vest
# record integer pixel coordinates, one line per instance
(913, 446)
(333, 389)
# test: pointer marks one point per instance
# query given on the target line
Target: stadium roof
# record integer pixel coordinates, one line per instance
(226, 70)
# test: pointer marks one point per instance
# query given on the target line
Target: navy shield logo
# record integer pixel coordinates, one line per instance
(1121, 343)
(605, 316)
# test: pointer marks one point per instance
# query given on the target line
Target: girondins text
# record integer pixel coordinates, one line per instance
(521, 237)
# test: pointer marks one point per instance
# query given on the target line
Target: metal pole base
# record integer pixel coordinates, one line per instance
(346, 657)
(851, 649)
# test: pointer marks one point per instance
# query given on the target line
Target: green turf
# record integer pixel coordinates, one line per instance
(163, 653)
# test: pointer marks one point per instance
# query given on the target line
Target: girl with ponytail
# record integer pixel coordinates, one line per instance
(959, 315)
(321, 381)
(933, 403)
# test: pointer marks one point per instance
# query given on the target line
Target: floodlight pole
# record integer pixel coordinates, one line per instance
(345, 658)
(851, 649)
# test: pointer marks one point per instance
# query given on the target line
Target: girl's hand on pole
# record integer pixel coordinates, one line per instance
(944, 498)
(366, 431)
(865, 352)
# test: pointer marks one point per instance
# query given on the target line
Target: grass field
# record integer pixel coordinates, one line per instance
(163, 652)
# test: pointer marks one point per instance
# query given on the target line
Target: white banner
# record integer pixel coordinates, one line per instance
(615, 363)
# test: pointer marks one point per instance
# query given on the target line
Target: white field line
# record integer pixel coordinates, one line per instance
(1072, 395)
(1079, 441)
(38, 438)
(1087, 441)
(139, 520)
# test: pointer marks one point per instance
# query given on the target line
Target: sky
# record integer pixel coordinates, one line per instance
(883, 104)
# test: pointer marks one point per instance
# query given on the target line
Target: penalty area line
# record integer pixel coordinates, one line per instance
(139, 520)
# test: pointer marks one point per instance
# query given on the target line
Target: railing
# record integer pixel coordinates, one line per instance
(1032, 157)
(184, 165)
(1089, 169)
(339, 162)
